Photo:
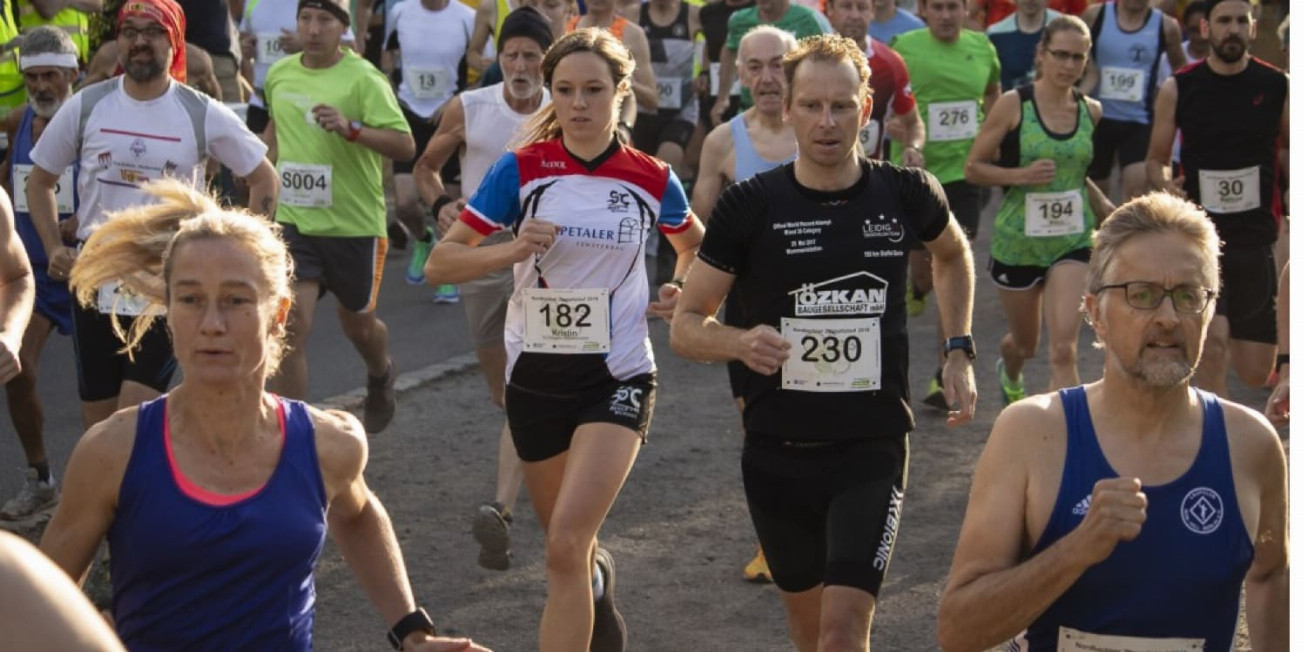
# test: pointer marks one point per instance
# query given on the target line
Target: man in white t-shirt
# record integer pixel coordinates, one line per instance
(125, 132)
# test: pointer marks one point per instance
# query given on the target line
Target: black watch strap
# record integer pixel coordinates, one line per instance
(417, 621)
(963, 342)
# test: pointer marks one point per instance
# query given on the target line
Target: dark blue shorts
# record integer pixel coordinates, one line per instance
(53, 300)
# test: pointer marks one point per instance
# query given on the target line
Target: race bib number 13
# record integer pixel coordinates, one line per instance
(832, 355)
(567, 321)
(305, 185)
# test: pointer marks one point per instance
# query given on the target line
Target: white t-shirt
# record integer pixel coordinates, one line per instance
(128, 143)
(265, 19)
(431, 45)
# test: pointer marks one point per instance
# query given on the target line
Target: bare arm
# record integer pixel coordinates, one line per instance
(913, 124)
(1162, 132)
(1267, 585)
(711, 174)
(728, 70)
(458, 258)
(954, 278)
(1092, 75)
(448, 138)
(485, 15)
(41, 610)
(1173, 43)
(17, 292)
(981, 169)
(695, 333)
(264, 185)
(390, 143)
(269, 137)
(644, 83)
(41, 205)
(199, 73)
(686, 244)
(990, 95)
(1278, 406)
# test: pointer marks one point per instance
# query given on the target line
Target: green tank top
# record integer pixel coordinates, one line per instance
(1037, 225)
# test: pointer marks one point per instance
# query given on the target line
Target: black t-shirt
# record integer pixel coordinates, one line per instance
(715, 25)
(206, 25)
(1232, 123)
(805, 256)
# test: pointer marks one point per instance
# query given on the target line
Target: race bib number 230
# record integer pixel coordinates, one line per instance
(832, 355)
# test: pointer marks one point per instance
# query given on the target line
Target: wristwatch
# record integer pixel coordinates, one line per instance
(963, 342)
(417, 621)
(355, 130)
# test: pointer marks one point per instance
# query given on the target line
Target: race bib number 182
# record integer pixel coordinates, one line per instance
(566, 320)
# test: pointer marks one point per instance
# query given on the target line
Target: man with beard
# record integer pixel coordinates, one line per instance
(49, 65)
(333, 118)
(1232, 111)
(478, 126)
(1131, 509)
(125, 132)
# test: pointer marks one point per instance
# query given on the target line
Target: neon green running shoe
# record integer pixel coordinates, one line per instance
(416, 271)
(1011, 391)
(916, 304)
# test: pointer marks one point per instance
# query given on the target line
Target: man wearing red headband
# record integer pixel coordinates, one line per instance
(124, 132)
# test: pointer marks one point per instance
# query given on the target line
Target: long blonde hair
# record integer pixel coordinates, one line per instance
(135, 246)
(544, 125)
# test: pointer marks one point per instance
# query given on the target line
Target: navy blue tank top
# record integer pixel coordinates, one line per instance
(22, 160)
(191, 575)
(1181, 577)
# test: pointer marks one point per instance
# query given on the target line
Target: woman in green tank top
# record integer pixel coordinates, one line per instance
(1037, 144)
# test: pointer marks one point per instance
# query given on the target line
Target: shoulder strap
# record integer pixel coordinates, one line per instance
(196, 106)
(1097, 26)
(90, 96)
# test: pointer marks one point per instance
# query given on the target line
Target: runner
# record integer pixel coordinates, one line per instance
(827, 400)
(73, 19)
(984, 14)
(216, 498)
(890, 20)
(430, 41)
(795, 19)
(581, 382)
(53, 613)
(123, 132)
(602, 13)
(208, 26)
(49, 65)
(1018, 39)
(1036, 143)
(671, 27)
(1128, 36)
(558, 13)
(328, 141)
(489, 18)
(955, 75)
(479, 125)
(1232, 111)
(198, 69)
(1124, 514)
(751, 142)
(889, 85)
(715, 30)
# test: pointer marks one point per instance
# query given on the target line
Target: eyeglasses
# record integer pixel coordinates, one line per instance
(1064, 55)
(1144, 295)
(151, 33)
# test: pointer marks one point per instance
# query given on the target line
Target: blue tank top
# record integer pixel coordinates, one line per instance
(188, 575)
(747, 163)
(1181, 577)
(1128, 63)
(22, 155)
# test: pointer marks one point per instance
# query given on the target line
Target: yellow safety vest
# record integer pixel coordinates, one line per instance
(13, 93)
(75, 22)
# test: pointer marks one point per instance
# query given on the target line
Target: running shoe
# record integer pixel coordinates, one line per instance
(33, 497)
(416, 271)
(936, 394)
(1011, 391)
(491, 527)
(446, 293)
(378, 408)
(758, 570)
(398, 237)
(916, 303)
(608, 624)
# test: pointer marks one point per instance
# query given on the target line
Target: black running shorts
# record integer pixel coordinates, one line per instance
(101, 368)
(1249, 293)
(349, 268)
(543, 424)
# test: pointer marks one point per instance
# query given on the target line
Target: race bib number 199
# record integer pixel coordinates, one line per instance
(567, 321)
(832, 355)
(952, 120)
(1122, 84)
(305, 185)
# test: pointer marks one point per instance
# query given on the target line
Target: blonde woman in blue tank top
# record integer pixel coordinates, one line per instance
(1037, 144)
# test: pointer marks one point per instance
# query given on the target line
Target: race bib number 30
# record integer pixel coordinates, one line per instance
(1230, 191)
(567, 321)
(1048, 214)
(832, 355)
(62, 190)
(306, 185)
(952, 120)
(1122, 84)
(428, 83)
(1072, 640)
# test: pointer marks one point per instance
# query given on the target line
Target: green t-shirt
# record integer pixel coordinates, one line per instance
(798, 20)
(948, 81)
(330, 186)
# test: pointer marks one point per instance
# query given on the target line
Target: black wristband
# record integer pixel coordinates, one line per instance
(440, 202)
(417, 621)
(677, 282)
(1282, 359)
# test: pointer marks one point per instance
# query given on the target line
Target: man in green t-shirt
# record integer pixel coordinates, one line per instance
(795, 19)
(333, 118)
(956, 77)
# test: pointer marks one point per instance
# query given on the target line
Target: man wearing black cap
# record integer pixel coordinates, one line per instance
(479, 126)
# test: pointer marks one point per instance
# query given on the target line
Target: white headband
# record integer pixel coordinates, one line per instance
(48, 59)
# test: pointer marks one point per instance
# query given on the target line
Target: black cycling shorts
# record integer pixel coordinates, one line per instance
(101, 368)
(1024, 277)
(826, 512)
(1249, 293)
(1129, 140)
(543, 424)
(652, 129)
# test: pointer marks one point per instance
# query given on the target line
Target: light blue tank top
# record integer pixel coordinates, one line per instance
(1128, 63)
(1181, 577)
(747, 163)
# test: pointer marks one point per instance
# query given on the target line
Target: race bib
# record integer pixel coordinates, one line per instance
(113, 299)
(428, 83)
(268, 49)
(62, 190)
(1230, 191)
(832, 355)
(1122, 84)
(870, 137)
(715, 82)
(1072, 640)
(306, 185)
(670, 92)
(952, 120)
(1048, 214)
(567, 321)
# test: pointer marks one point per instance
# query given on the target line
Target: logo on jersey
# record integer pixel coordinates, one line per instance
(169, 168)
(884, 552)
(860, 293)
(138, 147)
(627, 402)
(106, 159)
(553, 165)
(1202, 510)
(1139, 52)
(678, 31)
(883, 227)
(1083, 506)
(618, 202)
